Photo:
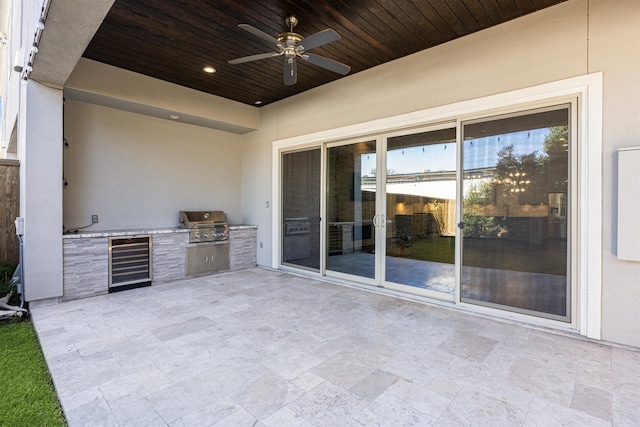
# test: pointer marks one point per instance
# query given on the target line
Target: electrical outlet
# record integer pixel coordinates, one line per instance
(94, 219)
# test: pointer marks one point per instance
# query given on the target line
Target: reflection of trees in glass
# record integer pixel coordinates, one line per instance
(476, 223)
(480, 193)
(556, 142)
(518, 179)
(531, 177)
(514, 172)
(555, 158)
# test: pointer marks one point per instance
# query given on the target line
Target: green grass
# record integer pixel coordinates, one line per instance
(27, 396)
(549, 257)
(438, 249)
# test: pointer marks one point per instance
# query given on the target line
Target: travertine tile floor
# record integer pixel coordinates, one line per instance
(265, 348)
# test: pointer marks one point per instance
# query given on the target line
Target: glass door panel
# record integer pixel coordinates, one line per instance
(515, 213)
(351, 207)
(421, 210)
(301, 209)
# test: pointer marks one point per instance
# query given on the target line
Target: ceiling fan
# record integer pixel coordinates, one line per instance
(292, 46)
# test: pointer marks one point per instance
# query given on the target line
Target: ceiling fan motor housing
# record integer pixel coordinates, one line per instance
(289, 41)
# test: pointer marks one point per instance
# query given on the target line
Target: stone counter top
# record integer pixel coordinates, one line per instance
(241, 227)
(140, 231)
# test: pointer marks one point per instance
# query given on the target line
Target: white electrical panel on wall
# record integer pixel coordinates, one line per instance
(629, 204)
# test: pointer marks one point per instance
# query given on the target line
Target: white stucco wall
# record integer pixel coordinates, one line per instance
(614, 37)
(139, 171)
(571, 39)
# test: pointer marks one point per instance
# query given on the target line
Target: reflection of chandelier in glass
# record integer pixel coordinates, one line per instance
(515, 182)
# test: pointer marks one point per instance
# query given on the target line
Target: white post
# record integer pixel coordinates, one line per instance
(40, 151)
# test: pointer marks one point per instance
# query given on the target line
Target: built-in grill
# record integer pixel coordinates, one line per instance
(205, 226)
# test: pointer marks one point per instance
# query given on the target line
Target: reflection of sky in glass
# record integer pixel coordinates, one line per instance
(478, 153)
(433, 157)
(483, 152)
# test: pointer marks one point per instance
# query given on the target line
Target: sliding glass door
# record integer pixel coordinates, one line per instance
(351, 209)
(420, 186)
(301, 186)
(516, 213)
(475, 212)
(391, 218)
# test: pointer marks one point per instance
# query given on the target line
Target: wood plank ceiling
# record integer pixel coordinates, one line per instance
(173, 40)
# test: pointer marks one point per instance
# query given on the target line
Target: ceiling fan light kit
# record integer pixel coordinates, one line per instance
(292, 46)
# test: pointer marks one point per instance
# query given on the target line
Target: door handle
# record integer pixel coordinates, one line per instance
(378, 220)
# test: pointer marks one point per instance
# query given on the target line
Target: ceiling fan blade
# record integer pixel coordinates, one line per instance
(329, 64)
(258, 33)
(290, 72)
(254, 57)
(319, 39)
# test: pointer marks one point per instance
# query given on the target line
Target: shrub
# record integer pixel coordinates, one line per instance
(7, 284)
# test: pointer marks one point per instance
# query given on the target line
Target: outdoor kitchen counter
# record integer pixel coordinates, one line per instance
(86, 256)
(128, 232)
(142, 231)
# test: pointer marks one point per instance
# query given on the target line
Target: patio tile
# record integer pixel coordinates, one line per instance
(178, 400)
(592, 401)
(173, 330)
(136, 385)
(91, 395)
(209, 413)
(468, 346)
(373, 385)
(289, 363)
(308, 381)
(95, 413)
(469, 406)
(539, 378)
(261, 348)
(267, 395)
(328, 405)
(240, 418)
(347, 368)
(414, 398)
(284, 417)
(548, 414)
(88, 376)
(135, 412)
(444, 386)
(417, 367)
(385, 415)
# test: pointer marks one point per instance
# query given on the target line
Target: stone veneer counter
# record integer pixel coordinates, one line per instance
(86, 256)
(118, 233)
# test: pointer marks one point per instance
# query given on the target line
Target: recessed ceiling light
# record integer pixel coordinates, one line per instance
(209, 69)
(258, 102)
(174, 116)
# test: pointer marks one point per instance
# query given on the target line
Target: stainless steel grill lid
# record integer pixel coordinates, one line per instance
(191, 219)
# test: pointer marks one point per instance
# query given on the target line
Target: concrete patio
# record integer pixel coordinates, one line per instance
(265, 348)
